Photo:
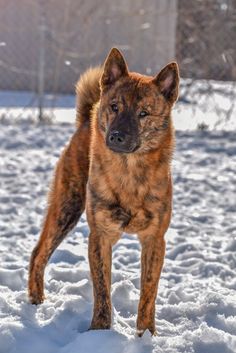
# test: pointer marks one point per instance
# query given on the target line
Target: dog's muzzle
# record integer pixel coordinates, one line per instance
(120, 142)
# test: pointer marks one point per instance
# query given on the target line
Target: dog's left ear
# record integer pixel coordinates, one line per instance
(114, 68)
(168, 82)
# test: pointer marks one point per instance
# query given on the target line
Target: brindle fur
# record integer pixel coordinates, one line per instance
(123, 192)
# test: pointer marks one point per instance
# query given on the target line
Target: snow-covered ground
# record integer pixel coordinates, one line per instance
(196, 305)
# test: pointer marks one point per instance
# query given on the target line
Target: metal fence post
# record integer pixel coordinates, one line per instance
(41, 67)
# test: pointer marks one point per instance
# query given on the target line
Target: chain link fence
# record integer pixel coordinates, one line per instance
(46, 45)
(206, 51)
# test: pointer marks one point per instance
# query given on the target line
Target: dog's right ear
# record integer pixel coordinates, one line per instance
(115, 67)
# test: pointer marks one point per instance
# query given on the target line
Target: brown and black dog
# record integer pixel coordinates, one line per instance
(117, 166)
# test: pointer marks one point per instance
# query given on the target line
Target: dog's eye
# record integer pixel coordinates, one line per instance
(143, 113)
(114, 107)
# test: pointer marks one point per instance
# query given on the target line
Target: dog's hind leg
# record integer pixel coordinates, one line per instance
(66, 204)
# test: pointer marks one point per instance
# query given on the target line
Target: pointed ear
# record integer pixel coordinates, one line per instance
(114, 68)
(168, 82)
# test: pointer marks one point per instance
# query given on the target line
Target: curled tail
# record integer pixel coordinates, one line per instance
(87, 94)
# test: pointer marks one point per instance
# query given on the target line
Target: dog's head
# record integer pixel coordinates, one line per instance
(134, 112)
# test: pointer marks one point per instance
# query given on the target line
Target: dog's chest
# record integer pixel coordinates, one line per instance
(125, 198)
(132, 210)
(130, 219)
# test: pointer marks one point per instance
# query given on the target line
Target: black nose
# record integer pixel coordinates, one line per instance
(116, 138)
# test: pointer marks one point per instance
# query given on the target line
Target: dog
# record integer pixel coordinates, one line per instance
(117, 166)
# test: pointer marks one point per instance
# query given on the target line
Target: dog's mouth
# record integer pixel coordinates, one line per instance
(124, 149)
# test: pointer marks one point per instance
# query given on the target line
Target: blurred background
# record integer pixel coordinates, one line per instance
(46, 45)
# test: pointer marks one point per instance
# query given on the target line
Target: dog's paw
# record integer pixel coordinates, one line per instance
(139, 333)
(152, 330)
(36, 298)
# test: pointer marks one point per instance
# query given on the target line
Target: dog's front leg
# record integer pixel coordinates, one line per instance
(152, 258)
(100, 252)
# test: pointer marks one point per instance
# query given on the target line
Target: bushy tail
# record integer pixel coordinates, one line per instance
(87, 94)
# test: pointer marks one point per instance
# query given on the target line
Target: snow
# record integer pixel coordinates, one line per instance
(196, 304)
